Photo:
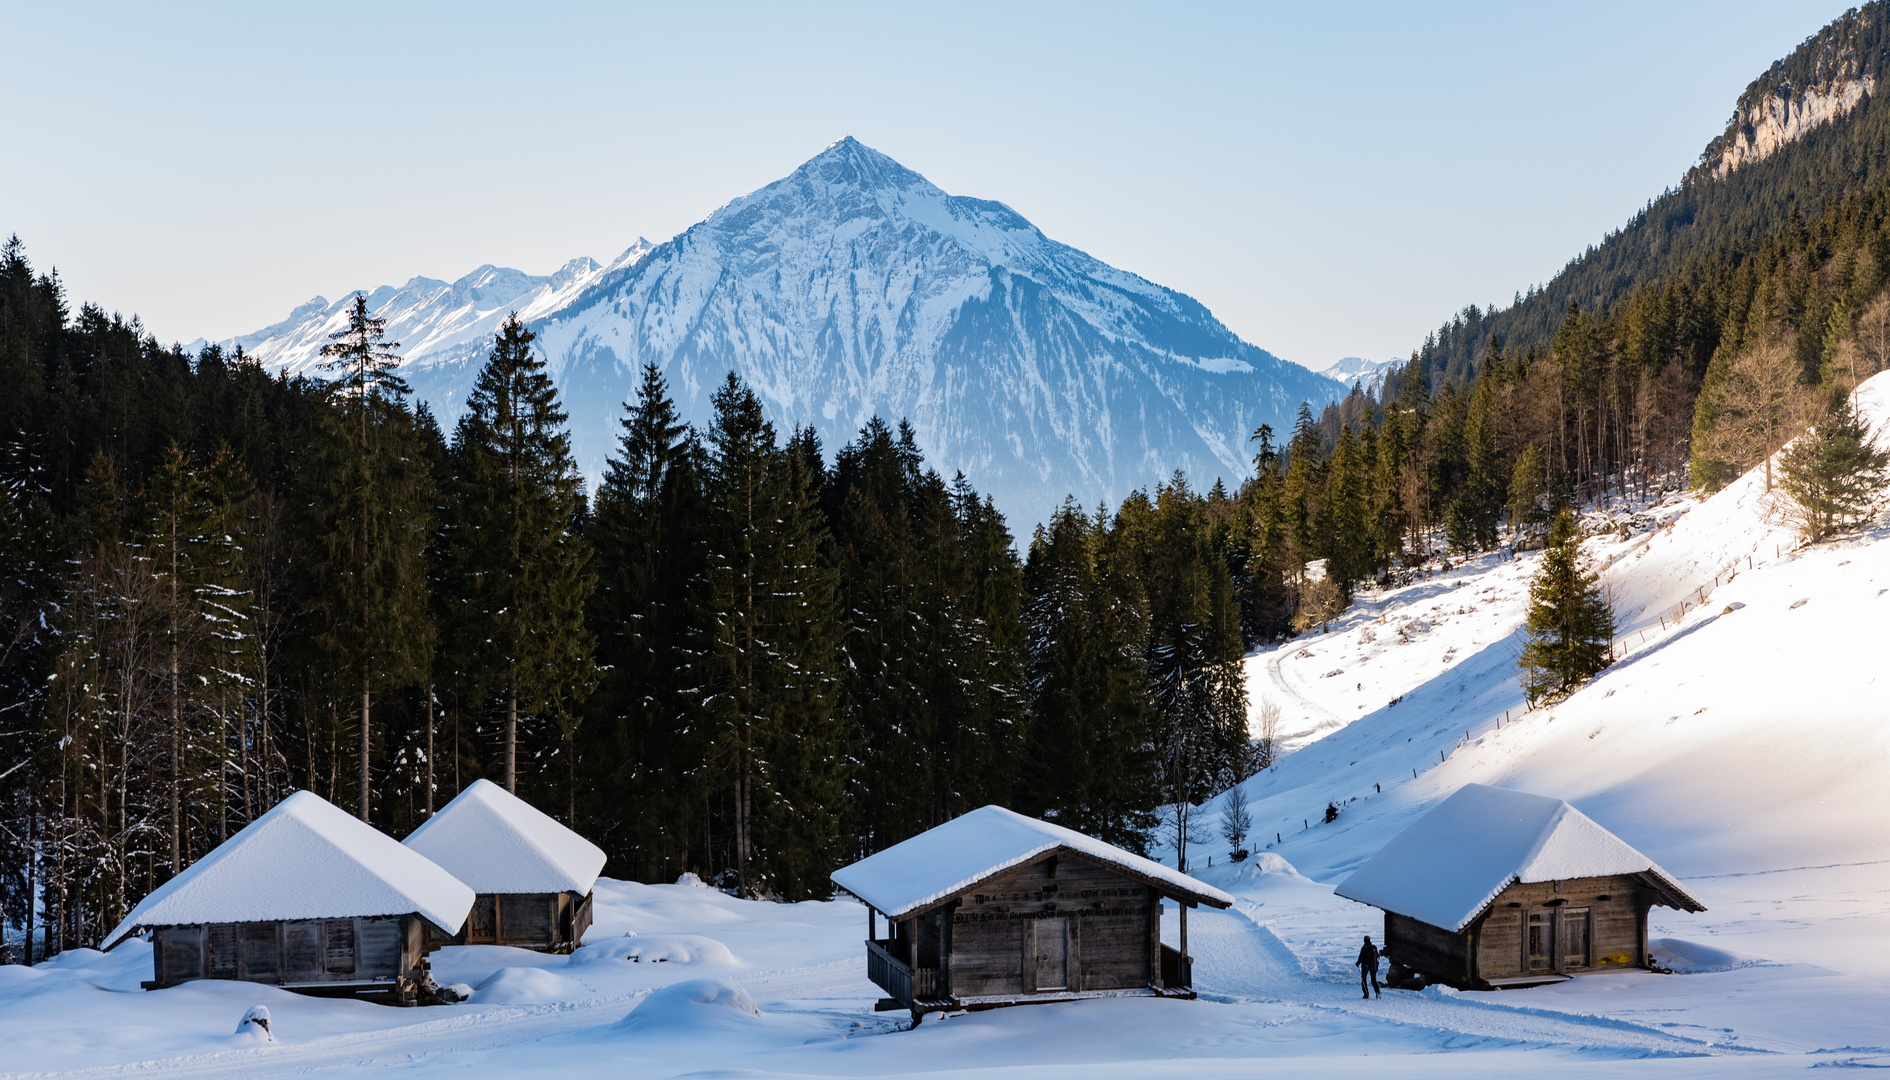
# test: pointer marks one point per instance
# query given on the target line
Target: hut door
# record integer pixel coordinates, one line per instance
(1539, 941)
(1574, 937)
(220, 950)
(338, 947)
(1053, 954)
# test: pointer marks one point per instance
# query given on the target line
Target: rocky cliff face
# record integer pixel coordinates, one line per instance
(1782, 115)
(1827, 76)
(852, 288)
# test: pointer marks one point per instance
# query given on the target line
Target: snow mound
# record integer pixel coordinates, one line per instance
(1692, 958)
(527, 986)
(254, 1026)
(657, 949)
(699, 1006)
(1260, 867)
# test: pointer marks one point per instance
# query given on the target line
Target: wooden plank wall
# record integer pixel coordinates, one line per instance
(306, 951)
(993, 929)
(1615, 924)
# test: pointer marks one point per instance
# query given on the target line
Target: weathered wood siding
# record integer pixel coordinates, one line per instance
(1104, 919)
(526, 920)
(1614, 924)
(308, 952)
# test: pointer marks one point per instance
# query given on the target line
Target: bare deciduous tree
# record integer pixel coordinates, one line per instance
(1266, 741)
(1755, 406)
(1236, 821)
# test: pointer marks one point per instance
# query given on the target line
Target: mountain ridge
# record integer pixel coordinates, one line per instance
(854, 287)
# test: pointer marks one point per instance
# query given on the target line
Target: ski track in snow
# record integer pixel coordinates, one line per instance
(1238, 955)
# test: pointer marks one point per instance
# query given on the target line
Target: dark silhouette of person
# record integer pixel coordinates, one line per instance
(1367, 964)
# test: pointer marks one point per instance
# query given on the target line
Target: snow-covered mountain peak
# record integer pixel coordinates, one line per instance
(855, 287)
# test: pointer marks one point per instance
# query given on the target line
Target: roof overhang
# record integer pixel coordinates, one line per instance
(1172, 891)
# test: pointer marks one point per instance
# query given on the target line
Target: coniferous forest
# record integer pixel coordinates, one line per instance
(751, 657)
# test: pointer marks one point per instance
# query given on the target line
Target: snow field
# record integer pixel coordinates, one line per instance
(1745, 750)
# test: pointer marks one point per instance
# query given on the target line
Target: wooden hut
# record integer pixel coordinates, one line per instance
(1499, 889)
(532, 875)
(994, 908)
(306, 897)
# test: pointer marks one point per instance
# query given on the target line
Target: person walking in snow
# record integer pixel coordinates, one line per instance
(1367, 964)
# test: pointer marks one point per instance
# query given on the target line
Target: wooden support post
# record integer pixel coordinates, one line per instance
(1186, 974)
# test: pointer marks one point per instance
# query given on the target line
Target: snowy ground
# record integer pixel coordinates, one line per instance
(1742, 741)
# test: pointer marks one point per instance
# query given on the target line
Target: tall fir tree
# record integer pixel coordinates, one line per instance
(1089, 756)
(765, 667)
(371, 496)
(522, 565)
(645, 743)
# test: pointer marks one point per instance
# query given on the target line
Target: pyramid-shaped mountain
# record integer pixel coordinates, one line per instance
(854, 287)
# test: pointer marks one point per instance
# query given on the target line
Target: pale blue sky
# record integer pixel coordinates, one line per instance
(1330, 179)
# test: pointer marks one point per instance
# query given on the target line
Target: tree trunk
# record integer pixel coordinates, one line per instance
(511, 735)
(177, 767)
(429, 750)
(365, 779)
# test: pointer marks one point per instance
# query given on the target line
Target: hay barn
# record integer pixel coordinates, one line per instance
(995, 908)
(306, 897)
(532, 875)
(1496, 888)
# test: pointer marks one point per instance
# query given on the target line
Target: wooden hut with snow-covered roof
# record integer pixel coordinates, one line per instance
(1496, 888)
(306, 897)
(995, 908)
(532, 875)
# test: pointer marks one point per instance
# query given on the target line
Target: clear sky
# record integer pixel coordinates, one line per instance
(1330, 179)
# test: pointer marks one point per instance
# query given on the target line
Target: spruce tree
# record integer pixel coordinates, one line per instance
(523, 569)
(1527, 492)
(764, 669)
(1089, 758)
(1834, 473)
(370, 494)
(1473, 516)
(1569, 633)
(646, 745)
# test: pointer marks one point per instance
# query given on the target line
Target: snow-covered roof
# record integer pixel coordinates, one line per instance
(497, 842)
(949, 859)
(304, 859)
(1449, 864)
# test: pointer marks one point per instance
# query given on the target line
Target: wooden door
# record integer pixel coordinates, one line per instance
(1575, 938)
(220, 951)
(1053, 954)
(1539, 941)
(338, 947)
(260, 951)
(482, 923)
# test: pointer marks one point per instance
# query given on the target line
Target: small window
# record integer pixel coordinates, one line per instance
(338, 950)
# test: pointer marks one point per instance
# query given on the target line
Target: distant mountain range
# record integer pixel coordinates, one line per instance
(1360, 371)
(855, 287)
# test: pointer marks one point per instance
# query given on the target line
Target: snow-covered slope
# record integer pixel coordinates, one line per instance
(1744, 728)
(854, 287)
